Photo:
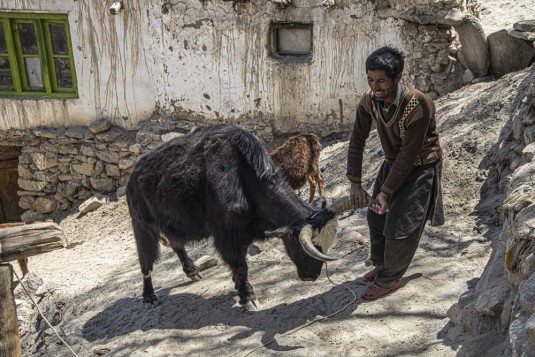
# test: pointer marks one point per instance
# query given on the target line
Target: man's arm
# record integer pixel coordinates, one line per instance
(361, 131)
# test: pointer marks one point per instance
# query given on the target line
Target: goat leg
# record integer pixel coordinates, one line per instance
(312, 185)
(321, 182)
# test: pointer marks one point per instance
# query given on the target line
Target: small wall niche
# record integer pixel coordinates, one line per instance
(291, 41)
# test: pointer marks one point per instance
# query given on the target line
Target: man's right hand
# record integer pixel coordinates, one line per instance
(358, 195)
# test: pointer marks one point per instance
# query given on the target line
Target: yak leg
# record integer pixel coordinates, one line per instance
(148, 251)
(188, 266)
(234, 256)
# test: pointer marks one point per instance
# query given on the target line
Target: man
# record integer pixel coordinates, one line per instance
(407, 188)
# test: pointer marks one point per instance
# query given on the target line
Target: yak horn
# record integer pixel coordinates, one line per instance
(305, 238)
(344, 204)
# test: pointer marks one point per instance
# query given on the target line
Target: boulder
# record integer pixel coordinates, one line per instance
(92, 204)
(525, 26)
(474, 45)
(501, 46)
(100, 126)
(527, 36)
(206, 262)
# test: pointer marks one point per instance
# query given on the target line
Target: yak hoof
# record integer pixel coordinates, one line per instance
(251, 306)
(150, 301)
(195, 277)
(150, 305)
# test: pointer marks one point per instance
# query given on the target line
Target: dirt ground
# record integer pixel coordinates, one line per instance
(98, 282)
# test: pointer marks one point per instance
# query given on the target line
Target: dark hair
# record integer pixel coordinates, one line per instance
(388, 58)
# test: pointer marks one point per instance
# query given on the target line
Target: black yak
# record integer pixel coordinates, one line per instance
(220, 181)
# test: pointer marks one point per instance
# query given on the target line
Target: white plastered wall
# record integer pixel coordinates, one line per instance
(208, 59)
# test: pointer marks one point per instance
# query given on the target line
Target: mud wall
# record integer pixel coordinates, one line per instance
(113, 65)
(211, 60)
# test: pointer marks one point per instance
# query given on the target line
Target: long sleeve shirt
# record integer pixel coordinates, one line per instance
(409, 138)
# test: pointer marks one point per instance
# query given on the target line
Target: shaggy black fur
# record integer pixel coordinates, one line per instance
(216, 181)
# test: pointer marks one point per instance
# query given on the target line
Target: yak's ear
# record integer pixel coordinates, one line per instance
(319, 203)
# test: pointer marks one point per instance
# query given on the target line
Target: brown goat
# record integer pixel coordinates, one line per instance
(298, 158)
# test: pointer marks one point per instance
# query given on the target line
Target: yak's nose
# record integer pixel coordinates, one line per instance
(308, 277)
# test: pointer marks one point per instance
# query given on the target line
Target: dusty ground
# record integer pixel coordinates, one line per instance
(100, 283)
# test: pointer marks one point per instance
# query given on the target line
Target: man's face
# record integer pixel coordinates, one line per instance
(383, 87)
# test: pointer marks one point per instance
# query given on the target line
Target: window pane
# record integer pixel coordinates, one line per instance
(33, 70)
(294, 41)
(3, 46)
(59, 39)
(28, 39)
(6, 79)
(63, 71)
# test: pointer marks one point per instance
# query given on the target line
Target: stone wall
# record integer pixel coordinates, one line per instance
(432, 68)
(59, 168)
(499, 314)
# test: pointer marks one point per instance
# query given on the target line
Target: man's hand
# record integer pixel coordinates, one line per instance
(358, 195)
(381, 204)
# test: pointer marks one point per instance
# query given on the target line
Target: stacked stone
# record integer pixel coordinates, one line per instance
(518, 233)
(60, 167)
(63, 166)
(431, 68)
(437, 65)
(503, 301)
(524, 30)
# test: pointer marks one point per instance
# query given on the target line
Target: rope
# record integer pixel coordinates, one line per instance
(41, 313)
(320, 318)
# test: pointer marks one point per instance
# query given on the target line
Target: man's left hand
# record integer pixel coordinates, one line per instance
(381, 205)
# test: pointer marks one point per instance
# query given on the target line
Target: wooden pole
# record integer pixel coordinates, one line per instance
(30, 239)
(9, 327)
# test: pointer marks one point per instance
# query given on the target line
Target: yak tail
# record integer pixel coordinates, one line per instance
(254, 152)
(145, 233)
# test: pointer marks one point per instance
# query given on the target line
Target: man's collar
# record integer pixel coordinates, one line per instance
(398, 94)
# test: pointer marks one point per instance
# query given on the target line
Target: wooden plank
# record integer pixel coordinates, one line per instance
(31, 239)
(9, 327)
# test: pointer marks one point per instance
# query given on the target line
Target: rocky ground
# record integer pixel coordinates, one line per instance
(92, 290)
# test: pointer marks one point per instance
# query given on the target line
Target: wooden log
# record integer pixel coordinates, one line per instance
(30, 239)
(9, 327)
(23, 263)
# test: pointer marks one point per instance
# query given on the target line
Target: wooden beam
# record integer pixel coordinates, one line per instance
(9, 327)
(30, 239)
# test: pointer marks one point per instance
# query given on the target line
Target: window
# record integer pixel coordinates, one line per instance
(36, 56)
(291, 41)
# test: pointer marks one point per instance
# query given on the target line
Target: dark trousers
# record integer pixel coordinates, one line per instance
(394, 236)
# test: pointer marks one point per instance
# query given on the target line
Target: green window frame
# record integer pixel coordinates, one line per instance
(36, 57)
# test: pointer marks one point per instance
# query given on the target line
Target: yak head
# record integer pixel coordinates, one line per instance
(308, 243)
